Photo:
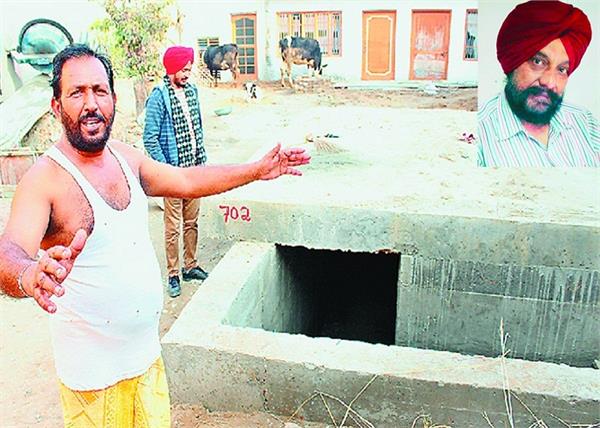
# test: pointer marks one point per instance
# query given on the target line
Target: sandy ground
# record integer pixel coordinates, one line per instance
(29, 393)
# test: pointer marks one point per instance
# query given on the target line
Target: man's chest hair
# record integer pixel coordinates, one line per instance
(108, 182)
(71, 209)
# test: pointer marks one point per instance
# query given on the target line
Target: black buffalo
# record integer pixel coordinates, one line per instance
(223, 57)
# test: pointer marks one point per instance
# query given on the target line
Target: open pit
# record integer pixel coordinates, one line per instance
(393, 263)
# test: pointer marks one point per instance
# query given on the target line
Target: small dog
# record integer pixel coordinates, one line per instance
(252, 91)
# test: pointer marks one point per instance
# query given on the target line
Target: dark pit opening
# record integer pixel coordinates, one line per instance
(344, 295)
(445, 305)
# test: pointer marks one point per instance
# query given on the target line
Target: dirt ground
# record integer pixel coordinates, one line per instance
(29, 396)
(126, 128)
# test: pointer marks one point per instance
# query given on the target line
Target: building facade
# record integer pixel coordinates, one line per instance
(379, 40)
(375, 40)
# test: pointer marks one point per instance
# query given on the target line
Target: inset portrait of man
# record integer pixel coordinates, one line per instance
(538, 114)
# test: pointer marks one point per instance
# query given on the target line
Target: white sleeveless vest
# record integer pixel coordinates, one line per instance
(105, 328)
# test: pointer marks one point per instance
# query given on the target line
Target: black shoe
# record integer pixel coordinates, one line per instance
(194, 273)
(174, 288)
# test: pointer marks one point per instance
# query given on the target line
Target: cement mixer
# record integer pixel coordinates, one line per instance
(39, 41)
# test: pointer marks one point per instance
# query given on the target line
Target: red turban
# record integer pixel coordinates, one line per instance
(176, 57)
(532, 25)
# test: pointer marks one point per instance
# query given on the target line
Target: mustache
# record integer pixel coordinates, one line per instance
(539, 90)
(92, 115)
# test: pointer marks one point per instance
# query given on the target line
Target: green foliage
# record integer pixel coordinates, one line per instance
(133, 35)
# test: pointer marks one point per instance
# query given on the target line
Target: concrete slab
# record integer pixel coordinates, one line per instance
(245, 368)
(415, 190)
(550, 314)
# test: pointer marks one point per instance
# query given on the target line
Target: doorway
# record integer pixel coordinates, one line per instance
(379, 45)
(244, 36)
(429, 44)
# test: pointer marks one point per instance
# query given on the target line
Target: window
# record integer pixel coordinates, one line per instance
(204, 42)
(326, 27)
(471, 36)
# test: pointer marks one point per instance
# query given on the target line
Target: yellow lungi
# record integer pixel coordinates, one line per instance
(140, 402)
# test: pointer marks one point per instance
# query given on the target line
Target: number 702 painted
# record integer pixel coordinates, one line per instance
(235, 213)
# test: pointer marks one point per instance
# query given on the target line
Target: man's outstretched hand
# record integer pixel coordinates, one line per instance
(280, 161)
(43, 278)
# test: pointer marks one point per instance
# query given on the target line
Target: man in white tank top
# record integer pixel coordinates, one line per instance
(84, 205)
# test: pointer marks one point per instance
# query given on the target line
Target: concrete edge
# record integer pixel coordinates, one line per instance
(200, 325)
(348, 228)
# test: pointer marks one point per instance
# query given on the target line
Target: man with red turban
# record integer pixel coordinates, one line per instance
(539, 45)
(173, 135)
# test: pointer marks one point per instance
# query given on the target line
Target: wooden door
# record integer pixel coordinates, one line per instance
(379, 45)
(244, 36)
(429, 44)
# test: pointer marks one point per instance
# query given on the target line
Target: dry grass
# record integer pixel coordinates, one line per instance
(360, 421)
(324, 143)
(427, 422)
(509, 394)
(352, 414)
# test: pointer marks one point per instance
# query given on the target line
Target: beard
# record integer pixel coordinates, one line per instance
(75, 136)
(180, 84)
(518, 99)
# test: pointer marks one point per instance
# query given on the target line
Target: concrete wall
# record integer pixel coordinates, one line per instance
(247, 369)
(290, 294)
(242, 381)
(491, 15)
(214, 19)
(373, 230)
(247, 308)
(550, 314)
(274, 297)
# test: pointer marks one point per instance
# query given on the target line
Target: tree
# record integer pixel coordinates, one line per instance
(133, 34)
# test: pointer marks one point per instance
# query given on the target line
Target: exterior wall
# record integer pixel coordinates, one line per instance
(458, 69)
(214, 19)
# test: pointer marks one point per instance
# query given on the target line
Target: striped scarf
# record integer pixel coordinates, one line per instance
(183, 135)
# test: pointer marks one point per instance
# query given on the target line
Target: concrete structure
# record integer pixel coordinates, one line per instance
(214, 19)
(450, 250)
(552, 313)
(231, 349)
